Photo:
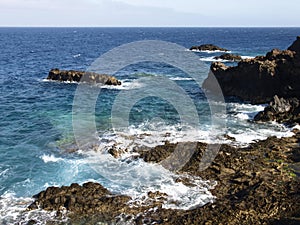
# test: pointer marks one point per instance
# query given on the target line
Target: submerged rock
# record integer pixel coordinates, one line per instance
(229, 57)
(81, 76)
(281, 110)
(258, 80)
(208, 47)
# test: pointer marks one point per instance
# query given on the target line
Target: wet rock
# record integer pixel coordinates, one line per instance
(255, 185)
(229, 57)
(81, 76)
(90, 198)
(258, 80)
(281, 110)
(208, 47)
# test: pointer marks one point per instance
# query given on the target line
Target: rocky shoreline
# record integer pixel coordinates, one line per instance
(258, 184)
(255, 185)
(258, 80)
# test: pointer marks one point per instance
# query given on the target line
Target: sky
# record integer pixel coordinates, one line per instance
(150, 13)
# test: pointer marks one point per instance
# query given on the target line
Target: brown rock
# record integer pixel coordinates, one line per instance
(254, 185)
(229, 57)
(208, 47)
(80, 76)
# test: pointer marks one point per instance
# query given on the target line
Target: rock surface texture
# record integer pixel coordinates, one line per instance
(258, 80)
(81, 76)
(281, 110)
(255, 185)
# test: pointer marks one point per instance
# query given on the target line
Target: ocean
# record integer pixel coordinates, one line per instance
(37, 116)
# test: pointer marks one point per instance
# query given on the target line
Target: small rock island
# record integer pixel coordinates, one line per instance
(81, 76)
(208, 47)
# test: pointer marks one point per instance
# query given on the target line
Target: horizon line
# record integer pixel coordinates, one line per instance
(91, 26)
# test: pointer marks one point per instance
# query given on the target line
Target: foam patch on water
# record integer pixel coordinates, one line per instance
(247, 57)
(137, 178)
(64, 82)
(125, 85)
(153, 134)
(245, 131)
(13, 211)
(50, 158)
(180, 78)
(212, 59)
(208, 51)
(76, 56)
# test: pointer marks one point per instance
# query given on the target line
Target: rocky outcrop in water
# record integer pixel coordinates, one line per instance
(208, 47)
(81, 76)
(258, 80)
(281, 110)
(229, 57)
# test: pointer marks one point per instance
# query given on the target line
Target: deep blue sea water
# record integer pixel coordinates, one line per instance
(36, 116)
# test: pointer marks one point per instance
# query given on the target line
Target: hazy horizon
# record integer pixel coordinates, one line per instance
(145, 13)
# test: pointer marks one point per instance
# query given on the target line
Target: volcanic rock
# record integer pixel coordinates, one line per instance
(281, 110)
(258, 80)
(229, 57)
(254, 185)
(81, 76)
(208, 47)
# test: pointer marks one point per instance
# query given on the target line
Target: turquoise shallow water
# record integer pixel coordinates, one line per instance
(36, 116)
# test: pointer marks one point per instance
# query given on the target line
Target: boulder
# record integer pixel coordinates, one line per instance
(81, 76)
(229, 57)
(258, 80)
(281, 110)
(208, 47)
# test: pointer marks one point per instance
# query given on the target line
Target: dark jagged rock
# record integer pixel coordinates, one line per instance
(295, 46)
(258, 80)
(81, 76)
(229, 57)
(208, 47)
(255, 185)
(90, 198)
(281, 110)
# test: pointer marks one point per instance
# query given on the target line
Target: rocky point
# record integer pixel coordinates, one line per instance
(258, 80)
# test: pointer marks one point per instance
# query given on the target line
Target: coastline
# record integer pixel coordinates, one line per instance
(255, 184)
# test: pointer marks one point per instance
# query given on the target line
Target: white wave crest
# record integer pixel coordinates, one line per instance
(209, 52)
(180, 78)
(212, 59)
(137, 178)
(13, 211)
(50, 158)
